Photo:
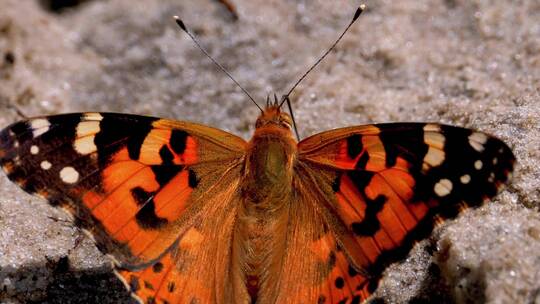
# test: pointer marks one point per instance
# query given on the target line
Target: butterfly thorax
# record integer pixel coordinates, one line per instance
(270, 158)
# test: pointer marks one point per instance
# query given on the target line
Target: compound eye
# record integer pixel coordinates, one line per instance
(259, 123)
(285, 121)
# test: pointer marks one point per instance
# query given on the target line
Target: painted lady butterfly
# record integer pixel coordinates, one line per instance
(193, 214)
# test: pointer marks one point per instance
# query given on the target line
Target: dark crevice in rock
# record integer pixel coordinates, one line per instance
(59, 6)
(62, 284)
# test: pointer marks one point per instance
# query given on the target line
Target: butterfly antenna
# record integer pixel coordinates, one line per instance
(183, 27)
(292, 117)
(357, 14)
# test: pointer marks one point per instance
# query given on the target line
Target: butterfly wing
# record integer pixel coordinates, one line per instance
(139, 185)
(199, 268)
(379, 189)
(315, 267)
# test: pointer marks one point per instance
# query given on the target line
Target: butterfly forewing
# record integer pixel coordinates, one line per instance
(134, 182)
(392, 182)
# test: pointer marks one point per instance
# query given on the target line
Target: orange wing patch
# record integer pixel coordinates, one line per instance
(134, 206)
(165, 145)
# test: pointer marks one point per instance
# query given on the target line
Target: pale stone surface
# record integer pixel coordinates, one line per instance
(469, 63)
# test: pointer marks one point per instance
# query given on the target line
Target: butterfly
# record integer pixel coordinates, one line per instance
(193, 214)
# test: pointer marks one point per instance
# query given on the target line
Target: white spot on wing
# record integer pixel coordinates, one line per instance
(465, 179)
(85, 145)
(432, 128)
(69, 175)
(434, 157)
(443, 187)
(477, 141)
(478, 164)
(435, 140)
(86, 130)
(45, 165)
(39, 126)
(93, 116)
(34, 149)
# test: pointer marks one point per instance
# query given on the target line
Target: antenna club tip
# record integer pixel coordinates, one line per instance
(180, 23)
(359, 11)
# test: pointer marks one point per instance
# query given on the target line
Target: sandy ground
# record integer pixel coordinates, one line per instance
(469, 63)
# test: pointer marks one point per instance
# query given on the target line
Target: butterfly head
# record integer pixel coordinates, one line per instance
(272, 116)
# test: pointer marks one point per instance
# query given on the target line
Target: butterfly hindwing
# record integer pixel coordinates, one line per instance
(198, 267)
(316, 268)
(131, 181)
(392, 183)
